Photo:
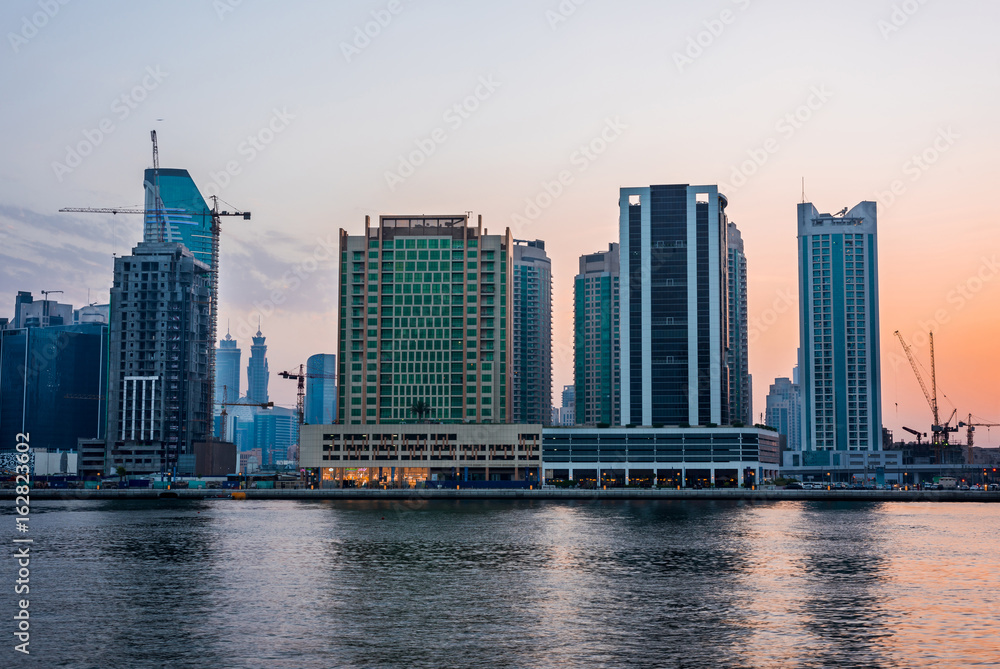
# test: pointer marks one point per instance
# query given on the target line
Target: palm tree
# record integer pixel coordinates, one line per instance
(421, 408)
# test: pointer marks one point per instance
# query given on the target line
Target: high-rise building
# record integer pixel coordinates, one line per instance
(784, 411)
(597, 341)
(673, 306)
(321, 389)
(182, 217)
(740, 383)
(531, 369)
(425, 324)
(839, 329)
(227, 370)
(159, 380)
(53, 385)
(257, 371)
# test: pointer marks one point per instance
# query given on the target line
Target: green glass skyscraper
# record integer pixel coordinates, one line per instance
(597, 344)
(425, 323)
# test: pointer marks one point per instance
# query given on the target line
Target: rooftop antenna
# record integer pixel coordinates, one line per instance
(803, 190)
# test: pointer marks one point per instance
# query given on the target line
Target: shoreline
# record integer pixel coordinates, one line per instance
(419, 494)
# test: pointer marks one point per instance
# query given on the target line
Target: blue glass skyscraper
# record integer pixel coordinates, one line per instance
(227, 369)
(184, 216)
(321, 389)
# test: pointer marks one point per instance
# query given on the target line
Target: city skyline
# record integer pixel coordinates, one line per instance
(908, 153)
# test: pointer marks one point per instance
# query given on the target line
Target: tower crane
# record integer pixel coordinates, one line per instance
(970, 429)
(226, 403)
(301, 394)
(939, 431)
(159, 211)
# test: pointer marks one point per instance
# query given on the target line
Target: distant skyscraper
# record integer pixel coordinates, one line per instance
(566, 414)
(740, 386)
(227, 370)
(257, 372)
(784, 411)
(597, 341)
(839, 329)
(673, 306)
(531, 381)
(275, 431)
(321, 389)
(160, 385)
(424, 319)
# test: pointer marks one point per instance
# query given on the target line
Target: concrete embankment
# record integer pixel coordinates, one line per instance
(499, 494)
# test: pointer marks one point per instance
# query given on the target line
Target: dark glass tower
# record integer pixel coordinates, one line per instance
(674, 276)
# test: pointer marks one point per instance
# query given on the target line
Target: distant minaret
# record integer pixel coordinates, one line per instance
(257, 374)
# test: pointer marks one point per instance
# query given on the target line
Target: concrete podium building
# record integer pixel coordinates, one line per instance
(418, 454)
(683, 457)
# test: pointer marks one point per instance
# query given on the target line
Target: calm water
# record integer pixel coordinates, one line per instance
(224, 583)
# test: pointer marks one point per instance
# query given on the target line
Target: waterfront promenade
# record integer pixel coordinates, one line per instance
(506, 494)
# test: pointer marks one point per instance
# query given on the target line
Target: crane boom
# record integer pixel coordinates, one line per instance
(916, 372)
(934, 406)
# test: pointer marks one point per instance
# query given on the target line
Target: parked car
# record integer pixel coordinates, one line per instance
(794, 485)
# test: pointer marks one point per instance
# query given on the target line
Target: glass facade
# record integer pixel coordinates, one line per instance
(839, 324)
(674, 293)
(597, 350)
(184, 218)
(425, 331)
(321, 389)
(53, 384)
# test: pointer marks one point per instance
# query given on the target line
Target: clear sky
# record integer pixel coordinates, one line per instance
(292, 111)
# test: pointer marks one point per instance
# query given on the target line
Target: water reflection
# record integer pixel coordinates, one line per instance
(519, 584)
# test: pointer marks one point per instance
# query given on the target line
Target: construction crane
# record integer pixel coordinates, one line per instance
(226, 403)
(917, 433)
(939, 431)
(300, 400)
(158, 211)
(970, 429)
(45, 304)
